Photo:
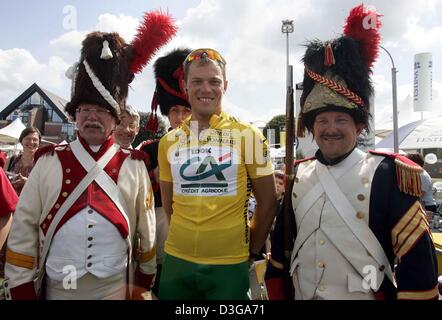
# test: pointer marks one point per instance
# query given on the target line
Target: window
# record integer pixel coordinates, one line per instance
(56, 117)
(25, 117)
(69, 130)
(35, 98)
(12, 116)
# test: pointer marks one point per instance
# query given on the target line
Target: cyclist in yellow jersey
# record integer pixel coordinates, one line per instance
(208, 167)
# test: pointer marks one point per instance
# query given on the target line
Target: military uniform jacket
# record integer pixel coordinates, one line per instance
(55, 175)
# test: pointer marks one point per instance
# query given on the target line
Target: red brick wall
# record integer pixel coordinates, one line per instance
(52, 129)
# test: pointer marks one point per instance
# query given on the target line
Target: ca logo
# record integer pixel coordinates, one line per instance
(202, 172)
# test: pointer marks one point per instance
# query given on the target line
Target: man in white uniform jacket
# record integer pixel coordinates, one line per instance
(87, 210)
(361, 231)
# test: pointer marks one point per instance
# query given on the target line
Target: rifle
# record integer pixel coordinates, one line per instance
(289, 221)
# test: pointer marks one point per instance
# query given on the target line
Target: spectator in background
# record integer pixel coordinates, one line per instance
(22, 164)
(427, 198)
(127, 128)
(274, 290)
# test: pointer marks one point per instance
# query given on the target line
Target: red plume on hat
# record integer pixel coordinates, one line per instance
(155, 31)
(363, 24)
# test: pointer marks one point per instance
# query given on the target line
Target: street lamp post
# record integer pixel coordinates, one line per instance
(395, 119)
(287, 27)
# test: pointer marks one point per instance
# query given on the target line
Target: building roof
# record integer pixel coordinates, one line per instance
(57, 103)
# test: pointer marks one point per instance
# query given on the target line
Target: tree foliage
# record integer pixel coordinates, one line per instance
(276, 124)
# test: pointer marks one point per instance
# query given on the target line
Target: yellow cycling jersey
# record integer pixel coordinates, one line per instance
(211, 188)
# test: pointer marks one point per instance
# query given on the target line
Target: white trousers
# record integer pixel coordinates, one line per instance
(88, 287)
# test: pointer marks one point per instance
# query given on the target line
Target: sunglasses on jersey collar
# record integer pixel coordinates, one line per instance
(205, 53)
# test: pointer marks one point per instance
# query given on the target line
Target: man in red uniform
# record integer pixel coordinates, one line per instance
(86, 203)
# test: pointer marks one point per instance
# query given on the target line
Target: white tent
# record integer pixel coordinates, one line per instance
(420, 134)
(280, 152)
(11, 133)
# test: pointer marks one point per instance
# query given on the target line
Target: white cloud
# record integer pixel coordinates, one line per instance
(422, 38)
(126, 26)
(19, 69)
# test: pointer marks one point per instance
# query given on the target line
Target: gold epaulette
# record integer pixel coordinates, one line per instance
(408, 173)
(409, 177)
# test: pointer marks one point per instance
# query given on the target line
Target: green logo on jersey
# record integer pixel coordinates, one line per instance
(201, 173)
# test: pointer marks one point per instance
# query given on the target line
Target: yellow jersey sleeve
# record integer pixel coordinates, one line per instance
(258, 164)
(163, 162)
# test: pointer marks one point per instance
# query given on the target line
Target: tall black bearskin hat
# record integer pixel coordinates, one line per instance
(337, 72)
(107, 64)
(169, 89)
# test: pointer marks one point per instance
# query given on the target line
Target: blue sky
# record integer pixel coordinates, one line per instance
(36, 48)
(32, 24)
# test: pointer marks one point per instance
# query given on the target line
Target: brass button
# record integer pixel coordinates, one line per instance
(365, 180)
(49, 216)
(57, 206)
(64, 194)
(321, 265)
(67, 181)
(360, 215)
(295, 195)
(68, 170)
(361, 197)
(321, 242)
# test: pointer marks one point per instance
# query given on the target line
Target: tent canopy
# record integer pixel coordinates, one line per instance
(11, 133)
(421, 134)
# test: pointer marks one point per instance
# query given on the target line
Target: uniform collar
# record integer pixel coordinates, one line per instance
(104, 147)
(332, 162)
